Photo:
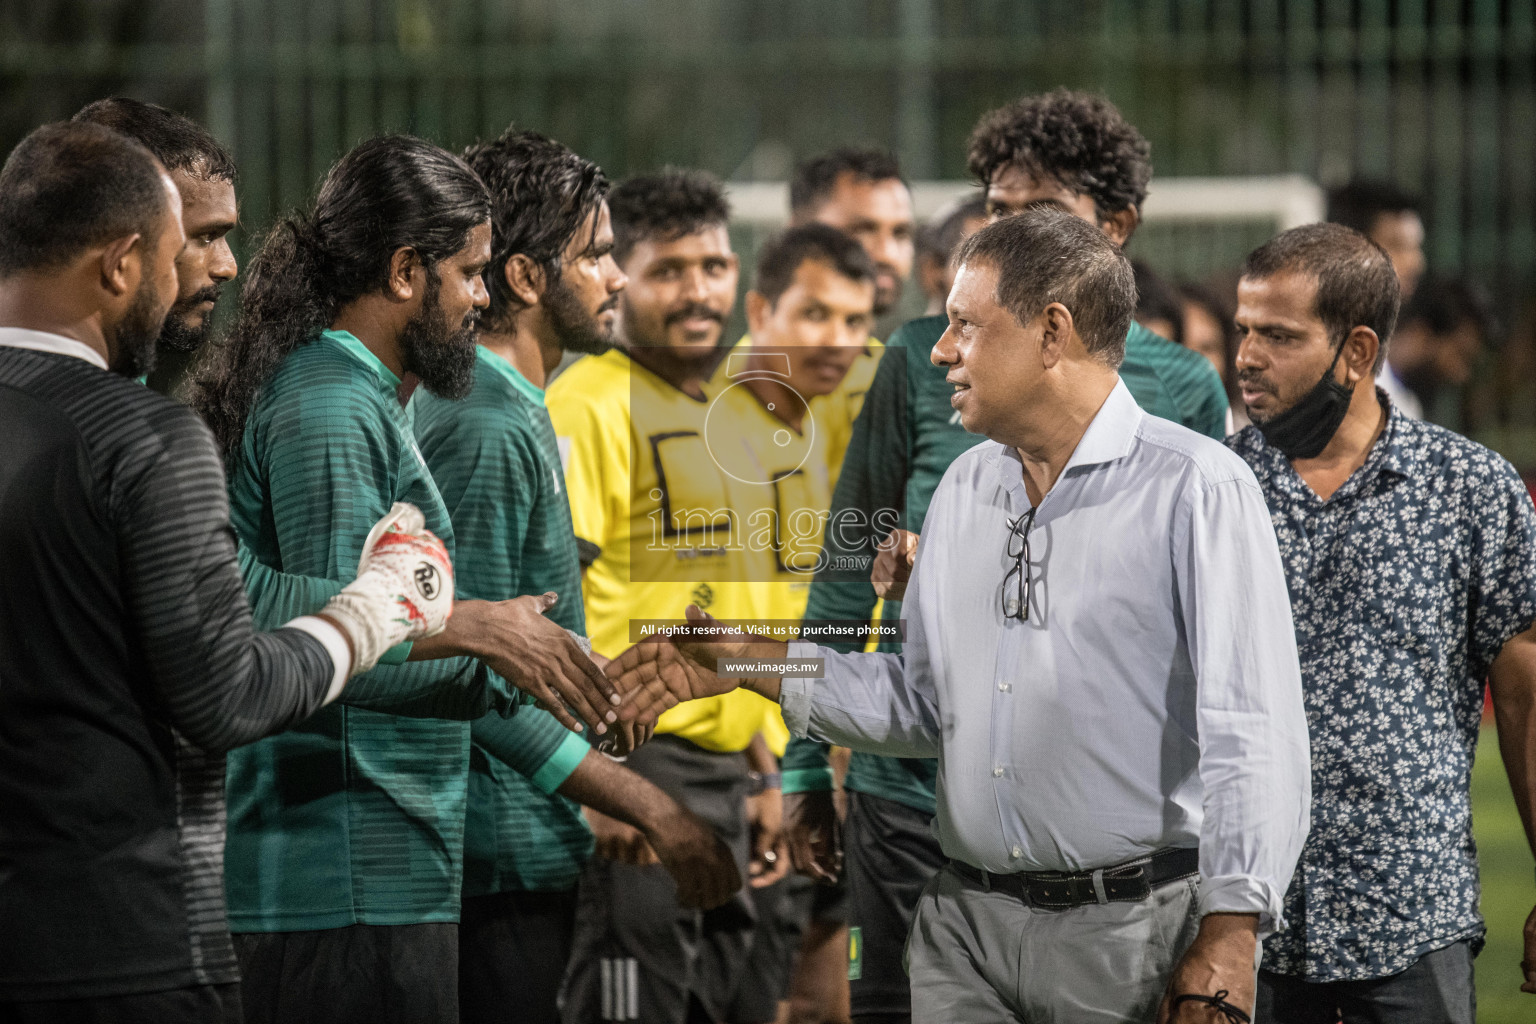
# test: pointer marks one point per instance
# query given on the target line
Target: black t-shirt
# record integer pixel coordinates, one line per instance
(128, 665)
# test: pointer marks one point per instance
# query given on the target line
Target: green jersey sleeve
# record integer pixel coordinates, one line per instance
(330, 459)
(532, 743)
(297, 595)
(866, 505)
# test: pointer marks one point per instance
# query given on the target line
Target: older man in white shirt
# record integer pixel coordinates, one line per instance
(1099, 652)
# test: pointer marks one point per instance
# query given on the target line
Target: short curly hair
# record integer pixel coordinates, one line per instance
(1076, 138)
(665, 206)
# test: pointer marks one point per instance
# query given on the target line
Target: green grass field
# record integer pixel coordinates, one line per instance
(1509, 889)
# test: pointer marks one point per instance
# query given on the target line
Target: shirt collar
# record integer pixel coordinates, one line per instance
(44, 341)
(1111, 435)
(1112, 432)
(349, 344)
(521, 384)
(1394, 452)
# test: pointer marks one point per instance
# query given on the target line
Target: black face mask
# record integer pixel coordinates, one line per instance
(1304, 430)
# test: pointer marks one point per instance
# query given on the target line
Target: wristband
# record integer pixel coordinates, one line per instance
(808, 780)
(1217, 1002)
(759, 782)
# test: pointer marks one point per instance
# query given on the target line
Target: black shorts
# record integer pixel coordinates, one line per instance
(890, 853)
(513, 948)
(202, 1004)
(783, 914)
(829, 903)
(637, 955)
(361, 974)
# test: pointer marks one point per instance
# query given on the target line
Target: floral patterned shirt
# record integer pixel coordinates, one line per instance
(1405, 585)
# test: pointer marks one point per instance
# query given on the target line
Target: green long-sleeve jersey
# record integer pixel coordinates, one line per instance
(355, 816)
(904, 440)
(497, 465)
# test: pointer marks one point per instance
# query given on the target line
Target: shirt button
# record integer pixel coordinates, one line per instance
(997, 772)
(1013, 606)
(1017, 853)
(1004, 687)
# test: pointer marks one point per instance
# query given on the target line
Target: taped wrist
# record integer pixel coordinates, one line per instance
(370, 614)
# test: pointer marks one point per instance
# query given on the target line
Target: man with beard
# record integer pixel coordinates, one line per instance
(861, 193)
(204, 175)
(131, 664)
(1410, 554)
(1063, 148)
(651, 509)
(346, 835)
(553, 286)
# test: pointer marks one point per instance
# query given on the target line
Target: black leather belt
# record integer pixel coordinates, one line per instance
(1059, 890)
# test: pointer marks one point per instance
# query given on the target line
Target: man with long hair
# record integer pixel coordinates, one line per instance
(345, 836)
(553, 287)
(131, 665)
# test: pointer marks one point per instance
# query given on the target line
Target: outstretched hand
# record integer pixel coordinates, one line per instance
(660, 673)
(533, 653)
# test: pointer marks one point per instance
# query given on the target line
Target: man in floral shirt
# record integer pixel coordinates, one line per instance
(1410, 553)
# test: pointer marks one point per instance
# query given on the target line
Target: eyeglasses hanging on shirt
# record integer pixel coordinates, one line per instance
(1015, 596)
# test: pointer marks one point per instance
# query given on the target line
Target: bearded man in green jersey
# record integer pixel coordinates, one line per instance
(553, 287)
(1067, 149)
(346, 834)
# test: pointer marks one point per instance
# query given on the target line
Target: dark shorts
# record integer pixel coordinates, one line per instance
(203, 1004)
(829, 903)
(362, 974)
(890, 854)
(783, 914)
(637, 955)
(513, 948)
(1437, 988)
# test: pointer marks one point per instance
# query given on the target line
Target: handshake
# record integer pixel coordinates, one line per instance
(404, 592)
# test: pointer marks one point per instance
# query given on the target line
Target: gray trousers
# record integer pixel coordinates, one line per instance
(980, 955)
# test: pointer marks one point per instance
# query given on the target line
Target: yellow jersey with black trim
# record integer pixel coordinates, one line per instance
(835, 411)
(785, 496)
(654, 517)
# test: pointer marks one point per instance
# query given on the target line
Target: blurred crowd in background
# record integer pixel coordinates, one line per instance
(1415, 116)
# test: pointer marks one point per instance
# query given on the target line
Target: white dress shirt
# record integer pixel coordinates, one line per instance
(1151, 700)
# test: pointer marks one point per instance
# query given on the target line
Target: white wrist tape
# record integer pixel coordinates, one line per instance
(403, 590)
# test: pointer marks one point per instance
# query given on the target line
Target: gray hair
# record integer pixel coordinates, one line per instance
(1047, 255)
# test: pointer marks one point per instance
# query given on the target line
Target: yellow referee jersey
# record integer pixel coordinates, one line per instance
(653, 513)
(835, 412)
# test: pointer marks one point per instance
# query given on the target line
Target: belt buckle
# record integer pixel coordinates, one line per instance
(1060, 891)
(1131, 883)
